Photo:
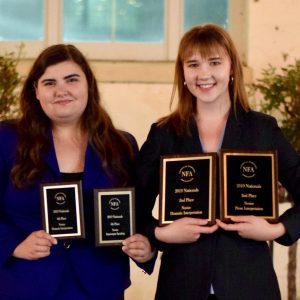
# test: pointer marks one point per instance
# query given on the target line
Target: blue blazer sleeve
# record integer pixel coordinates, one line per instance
(10, 234)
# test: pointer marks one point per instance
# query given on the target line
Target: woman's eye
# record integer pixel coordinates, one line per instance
(49, 83)
(73, 79)
(194, 65)
(215, 62)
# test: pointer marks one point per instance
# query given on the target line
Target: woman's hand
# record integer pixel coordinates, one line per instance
(184, 230)
(138, 248)
(36, 245)
(255, 228)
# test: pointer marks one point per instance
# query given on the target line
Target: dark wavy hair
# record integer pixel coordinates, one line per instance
(34, 126)
(205, 40)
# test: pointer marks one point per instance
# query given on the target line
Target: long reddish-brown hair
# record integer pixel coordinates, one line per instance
(205, 40)
(34, 126)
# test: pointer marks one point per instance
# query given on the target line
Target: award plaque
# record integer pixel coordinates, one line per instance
(114, 215)
(62, 209)
(248, 184)
(187, 187)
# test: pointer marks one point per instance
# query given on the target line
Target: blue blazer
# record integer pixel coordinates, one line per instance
(237, 268)
(101, 272)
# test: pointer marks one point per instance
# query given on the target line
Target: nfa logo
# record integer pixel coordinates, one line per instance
(187, 173)
(248, 169)
(60, 198)
(114, 203)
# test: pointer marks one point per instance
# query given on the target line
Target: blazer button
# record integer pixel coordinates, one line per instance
(67, 245)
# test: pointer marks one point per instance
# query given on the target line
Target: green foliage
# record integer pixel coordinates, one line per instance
(281, 96)
(9, 82)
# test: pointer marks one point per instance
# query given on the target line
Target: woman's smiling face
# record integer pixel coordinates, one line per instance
(207, 78)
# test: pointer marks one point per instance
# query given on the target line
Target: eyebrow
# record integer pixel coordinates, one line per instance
(66, 77)
(190, 61)
(214, 58)
(209, 59)
(72, 75)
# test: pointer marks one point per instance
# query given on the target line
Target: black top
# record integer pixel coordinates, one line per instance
(72, 176)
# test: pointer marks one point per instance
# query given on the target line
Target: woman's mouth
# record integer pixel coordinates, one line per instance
(205, 85)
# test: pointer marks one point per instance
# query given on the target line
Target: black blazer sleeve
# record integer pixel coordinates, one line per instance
(147, 183)
(289, 176)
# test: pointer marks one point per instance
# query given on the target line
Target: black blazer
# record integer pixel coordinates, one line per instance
(237, 268)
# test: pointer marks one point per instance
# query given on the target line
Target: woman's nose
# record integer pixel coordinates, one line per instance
(203, 73)
(204, 77)
(61, 90)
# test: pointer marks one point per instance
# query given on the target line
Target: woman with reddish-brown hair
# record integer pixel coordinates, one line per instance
(63, 135)
(224, 261)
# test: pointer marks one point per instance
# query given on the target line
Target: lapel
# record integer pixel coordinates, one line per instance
(233, 130)
(191, 144)
(51, 159)
(93, 174)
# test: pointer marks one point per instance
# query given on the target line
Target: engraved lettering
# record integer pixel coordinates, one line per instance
(186, 207)
(238, 207)
(195, 190)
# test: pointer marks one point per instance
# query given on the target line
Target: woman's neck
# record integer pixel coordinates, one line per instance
(212, 111)
(67, 130)
(211, 124)
(70, 146)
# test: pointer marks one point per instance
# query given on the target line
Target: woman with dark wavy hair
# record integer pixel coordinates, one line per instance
(63, 134)
(224, 261)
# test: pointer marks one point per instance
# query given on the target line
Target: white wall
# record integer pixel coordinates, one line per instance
(273, 30)
(135, 106)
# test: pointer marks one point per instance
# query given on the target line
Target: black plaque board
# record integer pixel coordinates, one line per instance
(248, 184)
(187, 187)
(114, 215)
(62, 209)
